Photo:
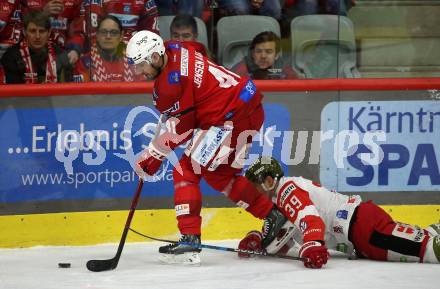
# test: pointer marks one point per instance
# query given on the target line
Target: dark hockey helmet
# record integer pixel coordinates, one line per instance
(264, 166)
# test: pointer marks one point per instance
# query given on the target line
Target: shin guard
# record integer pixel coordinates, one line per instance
(188, 203)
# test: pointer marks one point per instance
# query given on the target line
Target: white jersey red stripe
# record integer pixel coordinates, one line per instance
(319, 213)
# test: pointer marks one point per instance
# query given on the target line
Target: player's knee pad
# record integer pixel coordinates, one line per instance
(188, 203)
(187, 198)
(241, 190)
(403, 242)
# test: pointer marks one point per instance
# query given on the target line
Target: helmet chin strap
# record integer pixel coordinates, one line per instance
(158, 68)
(275, 181)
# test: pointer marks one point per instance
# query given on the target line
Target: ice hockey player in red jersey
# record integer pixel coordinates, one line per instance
(319, 219)
(220, 112)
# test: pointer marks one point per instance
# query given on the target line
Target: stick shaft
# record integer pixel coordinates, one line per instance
(133, 206)
(221, 248)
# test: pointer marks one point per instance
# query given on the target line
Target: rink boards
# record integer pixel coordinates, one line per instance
(89, 228)
(67, 158)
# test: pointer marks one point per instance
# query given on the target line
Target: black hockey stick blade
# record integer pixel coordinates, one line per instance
(102, 265)
(110, 264)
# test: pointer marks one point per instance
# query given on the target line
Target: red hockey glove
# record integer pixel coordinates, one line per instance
(149, 162)
(316, 254)
(252, 242)
(160, 147)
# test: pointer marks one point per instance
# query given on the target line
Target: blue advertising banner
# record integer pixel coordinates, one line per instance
(381, 146)
(89, 152)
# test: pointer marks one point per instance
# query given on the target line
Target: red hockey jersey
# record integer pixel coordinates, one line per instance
(10, 23)
(135, 15)
(321, 215)
(201, 93)
(96, 67)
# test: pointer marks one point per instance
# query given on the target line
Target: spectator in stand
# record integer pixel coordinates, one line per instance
(66, 29)
(10, 24)
(264, 60)
(36, 59)
(184, 28)
(134, 15)
(174, 7)
(270, 8)
(106, 60)
(294, 8)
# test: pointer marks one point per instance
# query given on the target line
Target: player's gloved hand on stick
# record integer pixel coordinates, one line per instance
(252, 242)
(149, 161)
(316, 254)
(158, 149)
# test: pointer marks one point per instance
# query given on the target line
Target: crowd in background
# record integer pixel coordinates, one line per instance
(49, 41)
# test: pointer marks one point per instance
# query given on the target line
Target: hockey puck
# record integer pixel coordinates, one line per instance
(64, 265)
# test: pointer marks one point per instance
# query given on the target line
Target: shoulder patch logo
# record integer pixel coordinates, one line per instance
(173, 45)
(173, 77)
(342, 214)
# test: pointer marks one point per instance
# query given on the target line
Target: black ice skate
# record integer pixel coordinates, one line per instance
(186, 251)
(272, 225)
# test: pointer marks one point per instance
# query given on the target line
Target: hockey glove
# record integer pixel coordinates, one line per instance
(160, 147)
(252, 242)
(315, 254)
(149, 162)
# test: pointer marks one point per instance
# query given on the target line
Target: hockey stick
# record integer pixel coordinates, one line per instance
(221, 248)
(110, 264)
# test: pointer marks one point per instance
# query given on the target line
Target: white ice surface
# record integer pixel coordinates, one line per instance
(37, 268)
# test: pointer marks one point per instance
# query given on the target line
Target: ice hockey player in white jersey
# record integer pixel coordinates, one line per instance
(318, 218)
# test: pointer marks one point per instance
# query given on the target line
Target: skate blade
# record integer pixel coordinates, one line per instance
(189, 258)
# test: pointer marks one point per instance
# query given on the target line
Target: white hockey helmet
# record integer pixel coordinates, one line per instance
(142, 45)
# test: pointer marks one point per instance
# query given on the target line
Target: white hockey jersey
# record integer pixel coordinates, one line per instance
(317, 214)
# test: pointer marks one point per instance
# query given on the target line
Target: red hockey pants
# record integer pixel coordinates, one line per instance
(376, 236)
(225, 179)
